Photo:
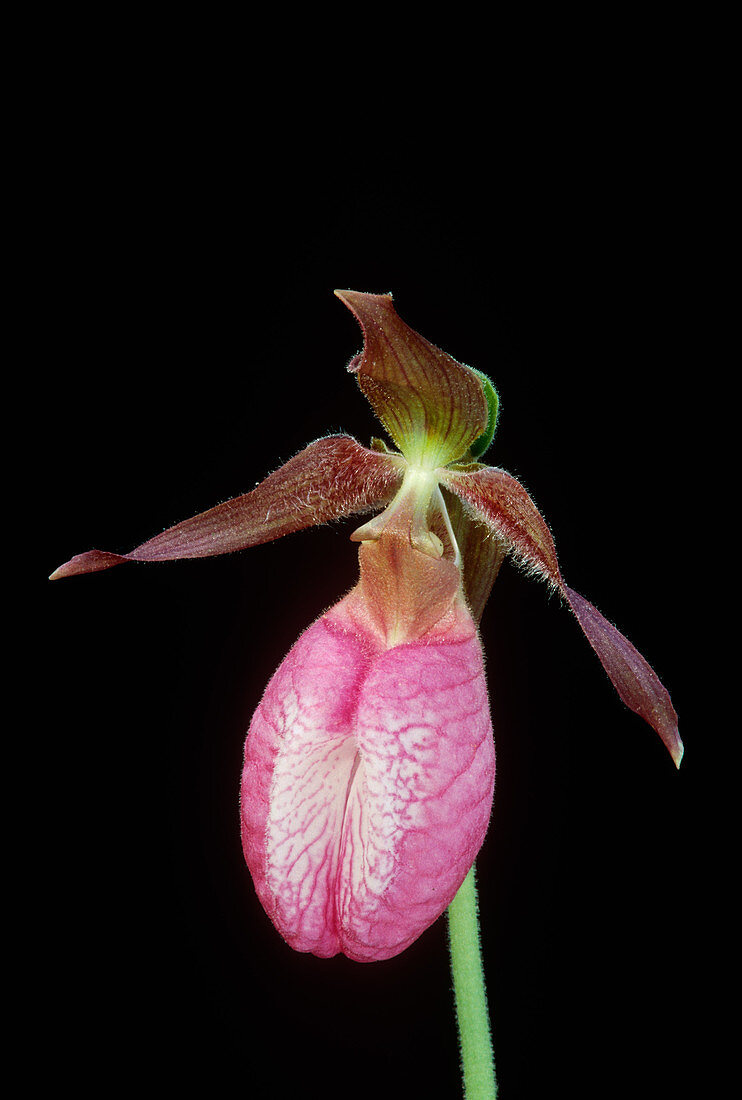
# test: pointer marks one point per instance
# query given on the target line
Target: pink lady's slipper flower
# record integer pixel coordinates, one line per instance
(369, 764)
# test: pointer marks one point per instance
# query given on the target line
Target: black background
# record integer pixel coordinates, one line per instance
(185, 273)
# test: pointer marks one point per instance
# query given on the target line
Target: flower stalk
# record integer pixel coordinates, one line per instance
(470, 994)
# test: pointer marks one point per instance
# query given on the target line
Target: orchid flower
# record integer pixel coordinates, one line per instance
(369, 765)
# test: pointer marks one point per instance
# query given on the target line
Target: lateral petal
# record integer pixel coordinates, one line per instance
(633, 678)
(432, 406)
(503, 504)
(500, 501)
(331, 478)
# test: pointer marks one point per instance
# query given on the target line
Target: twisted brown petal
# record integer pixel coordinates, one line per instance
(331, 478)
(504, 505)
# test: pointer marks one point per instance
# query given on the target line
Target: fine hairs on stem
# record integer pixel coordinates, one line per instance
(470, 994)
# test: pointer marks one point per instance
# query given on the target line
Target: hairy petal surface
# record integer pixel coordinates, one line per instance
(432, 406)
(331, 478)
(367, 783)
(497, 499)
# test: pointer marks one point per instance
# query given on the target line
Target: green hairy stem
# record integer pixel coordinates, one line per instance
(475, 1040)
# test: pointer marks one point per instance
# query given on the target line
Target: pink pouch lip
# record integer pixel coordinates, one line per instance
(368, 782)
